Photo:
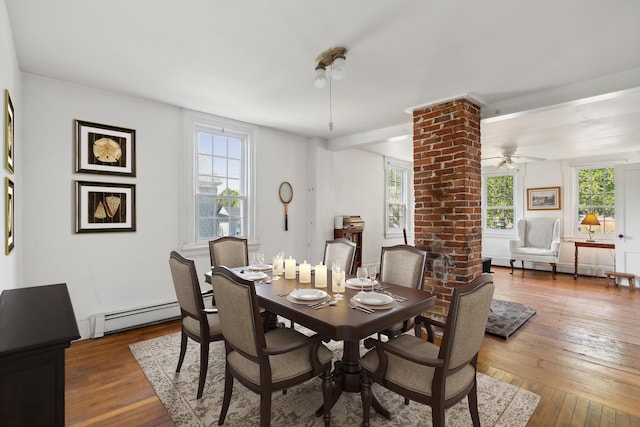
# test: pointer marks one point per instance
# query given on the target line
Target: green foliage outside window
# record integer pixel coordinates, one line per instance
(396, 178)
(500, 209)
(596, 194)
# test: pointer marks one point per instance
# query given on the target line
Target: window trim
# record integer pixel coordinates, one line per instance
(517, 201)
(573, 221)
(187, 217)
(391, 163)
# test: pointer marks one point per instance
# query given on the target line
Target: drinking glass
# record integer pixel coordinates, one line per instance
(372, 272)
(276, 268)
(361, 274)
(337, 281)
(260, 259)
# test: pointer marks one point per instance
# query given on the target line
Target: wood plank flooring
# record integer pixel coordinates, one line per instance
(580, 353)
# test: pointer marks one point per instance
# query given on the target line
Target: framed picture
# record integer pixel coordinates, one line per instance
(105, 149)
(9, 132)
(9, 216)
(545, 198)
(102, 206)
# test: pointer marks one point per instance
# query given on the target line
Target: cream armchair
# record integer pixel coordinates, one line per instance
(538, 241)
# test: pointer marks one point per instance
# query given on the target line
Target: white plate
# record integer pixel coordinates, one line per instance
(308, 294)
(252, 275)
(373, 298)
(355, 283)
(260, 267)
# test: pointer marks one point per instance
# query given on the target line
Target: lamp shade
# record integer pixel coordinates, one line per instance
(590, 219)
(339, 69)
(320, 80)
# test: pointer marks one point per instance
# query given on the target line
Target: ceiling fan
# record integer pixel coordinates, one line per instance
(509, 158)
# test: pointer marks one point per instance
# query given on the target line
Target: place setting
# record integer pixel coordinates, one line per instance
(308, 297)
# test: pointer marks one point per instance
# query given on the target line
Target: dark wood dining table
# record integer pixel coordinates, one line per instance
(342, 323)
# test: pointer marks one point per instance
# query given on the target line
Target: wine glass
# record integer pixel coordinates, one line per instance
(338, 281)
(276, 268)
(372, 272)
(361, 274)
(259, 260)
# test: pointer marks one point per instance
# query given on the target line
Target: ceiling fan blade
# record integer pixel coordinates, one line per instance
(528, 158)
(492, 158)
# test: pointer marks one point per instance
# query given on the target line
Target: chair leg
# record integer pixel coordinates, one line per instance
(265, 408)
(204, 364)
(511, 262)
(406, 400)
(553, 270)
(183, 350)
(365, 393)
(437, 414)
(327, 395)
(228, 389)
(472, 397)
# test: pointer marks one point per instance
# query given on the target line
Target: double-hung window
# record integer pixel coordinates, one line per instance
(499, 206)
(397, 190)
(595, 193)
(221, 178)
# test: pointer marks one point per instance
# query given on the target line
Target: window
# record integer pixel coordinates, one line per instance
(596, 194)
(396, 197)
(220, 188)
(499, 201)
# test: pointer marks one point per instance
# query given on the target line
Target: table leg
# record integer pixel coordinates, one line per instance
(346, 374)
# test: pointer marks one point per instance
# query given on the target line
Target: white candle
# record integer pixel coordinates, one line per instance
(289, 268)
(305, 272)
(321, 276)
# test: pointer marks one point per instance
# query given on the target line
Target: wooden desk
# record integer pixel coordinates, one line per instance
(36, 325)
(588, 245)
(342, 323)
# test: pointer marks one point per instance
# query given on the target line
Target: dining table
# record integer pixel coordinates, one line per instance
(343, 321)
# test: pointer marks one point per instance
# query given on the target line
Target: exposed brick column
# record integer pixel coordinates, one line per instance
(447, 185)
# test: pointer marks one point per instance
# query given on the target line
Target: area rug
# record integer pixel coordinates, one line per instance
(500, 404)
(506, 317)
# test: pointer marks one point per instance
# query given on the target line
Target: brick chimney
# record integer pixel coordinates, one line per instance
(447, 185)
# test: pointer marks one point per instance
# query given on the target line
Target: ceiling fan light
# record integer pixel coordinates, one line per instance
(339, 68)
(320, 80)
(510, 164)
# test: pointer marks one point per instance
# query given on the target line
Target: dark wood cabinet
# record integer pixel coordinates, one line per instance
(36, 325)
(355, 235)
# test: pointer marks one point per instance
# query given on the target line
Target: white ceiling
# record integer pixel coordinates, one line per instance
(556, 79)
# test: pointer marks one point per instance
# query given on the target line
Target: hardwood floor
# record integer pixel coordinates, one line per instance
(580, 353)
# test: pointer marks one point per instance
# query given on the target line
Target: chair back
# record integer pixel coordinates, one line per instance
(341, 251)
(539, 232)
(403, 265)
(229, 251)
(238, 311)
(185, 282)
(466, 322)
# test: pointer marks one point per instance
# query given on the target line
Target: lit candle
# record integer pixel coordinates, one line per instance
(305, 272)
(289, 268)
(321, 276)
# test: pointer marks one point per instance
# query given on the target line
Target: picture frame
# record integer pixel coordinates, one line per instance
(105, 207)
(105, 149)
(9, 132)
(543, 198)
(9, 216)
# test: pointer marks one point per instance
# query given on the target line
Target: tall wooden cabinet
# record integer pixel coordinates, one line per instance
(355, 235)
(36, 325)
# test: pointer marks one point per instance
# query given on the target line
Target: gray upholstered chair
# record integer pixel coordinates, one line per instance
(229, 251)
(436, 376)
(402, 265)
(341, 251)
(264, 362)
(198, 323)
(538, 241)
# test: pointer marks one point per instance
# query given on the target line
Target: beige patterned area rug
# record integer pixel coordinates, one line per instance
(500, 404)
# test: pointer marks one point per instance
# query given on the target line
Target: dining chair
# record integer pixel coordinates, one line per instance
(264, 362)
(341, 251)
(420, 370)
(198, 323)
(402, 265)
(229, 251)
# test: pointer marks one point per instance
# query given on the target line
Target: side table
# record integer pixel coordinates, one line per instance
(588, 245)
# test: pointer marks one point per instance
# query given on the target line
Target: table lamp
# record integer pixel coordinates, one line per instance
(590, 219)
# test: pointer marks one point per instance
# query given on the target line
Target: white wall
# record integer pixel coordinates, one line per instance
(10, 79)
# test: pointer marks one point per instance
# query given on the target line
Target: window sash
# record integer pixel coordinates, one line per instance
(396, 197)
(499, 197)
(595, 194)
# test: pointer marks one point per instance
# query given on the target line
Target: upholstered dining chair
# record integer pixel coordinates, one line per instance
(264, 362)
(402, 265)
(198, 323)
(436, 376)
(538, 241)
(341, 251)
(229, 251)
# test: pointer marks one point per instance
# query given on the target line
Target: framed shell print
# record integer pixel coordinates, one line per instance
(105, 149)
(102, 206)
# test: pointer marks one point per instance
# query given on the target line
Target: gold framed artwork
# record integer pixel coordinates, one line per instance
(105, 149)
(543, 198)
(9, 132)
(9, 215)
(103, 207)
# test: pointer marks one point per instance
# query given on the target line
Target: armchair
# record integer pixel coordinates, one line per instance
(538, 241)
